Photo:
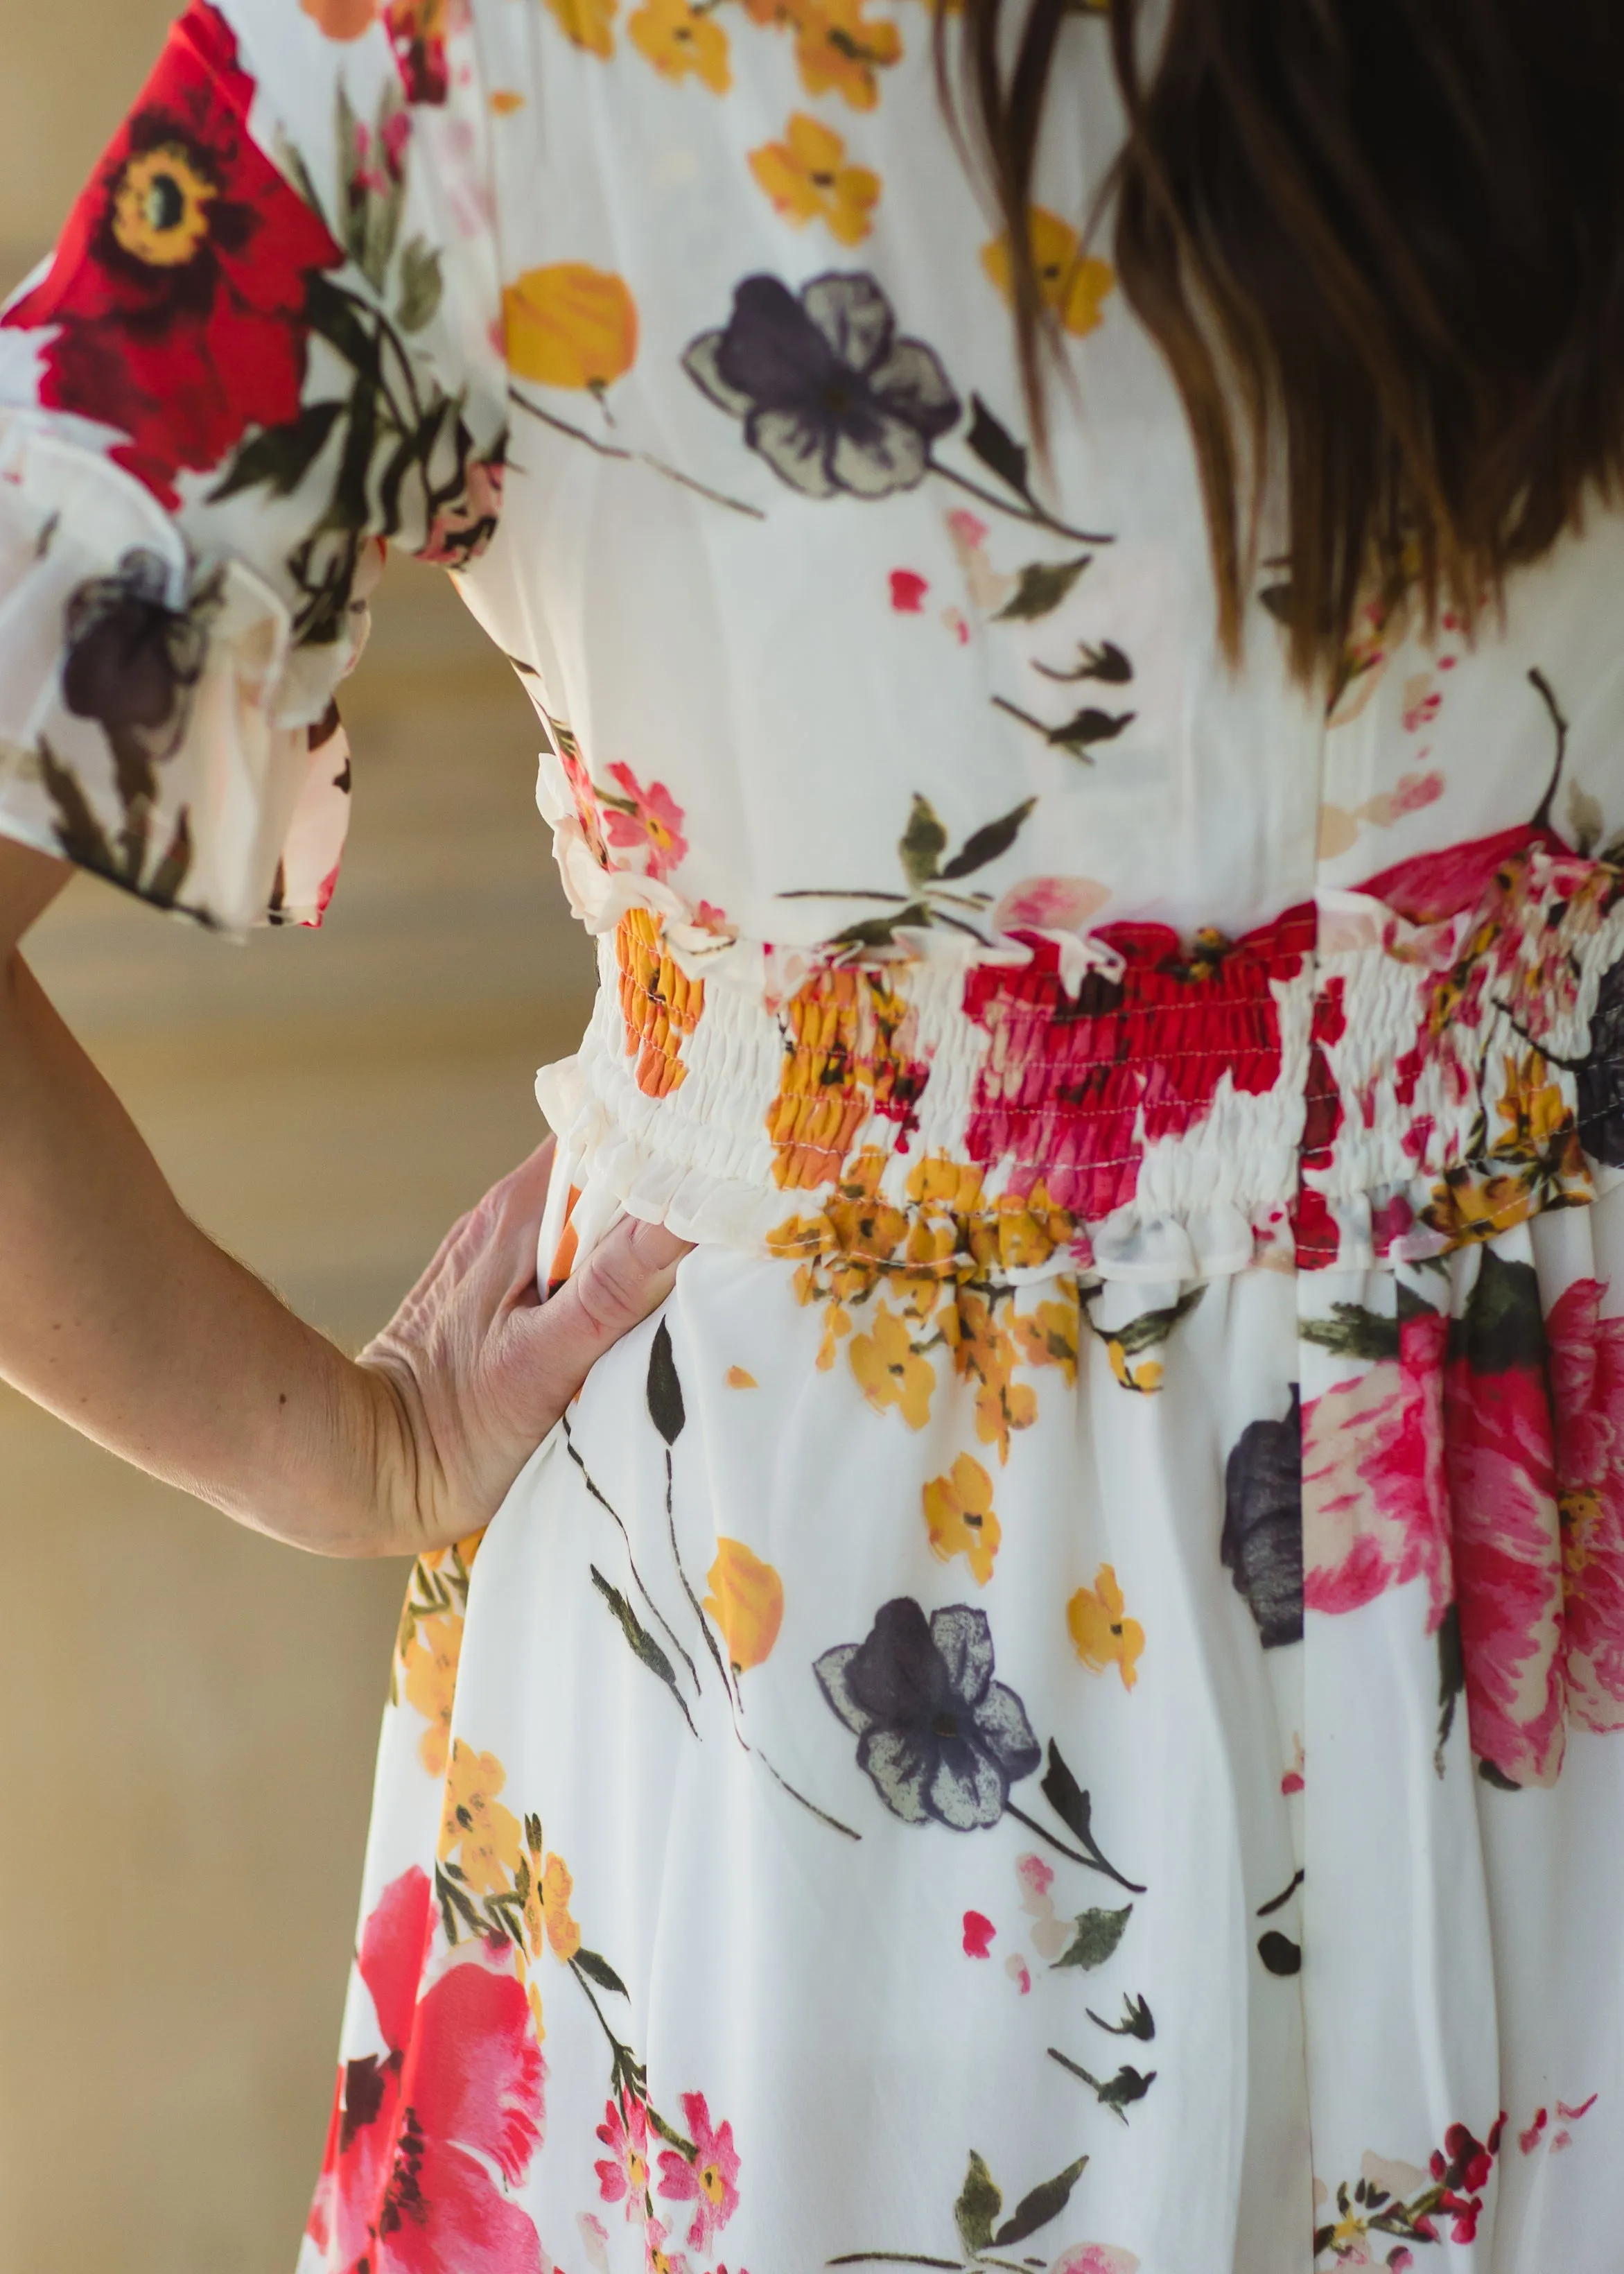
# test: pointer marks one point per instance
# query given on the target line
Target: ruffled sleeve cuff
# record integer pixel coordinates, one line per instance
(157, 723)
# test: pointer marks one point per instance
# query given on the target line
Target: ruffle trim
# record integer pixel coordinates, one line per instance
(158, 725)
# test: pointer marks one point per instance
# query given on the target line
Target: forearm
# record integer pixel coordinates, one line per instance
(117, 1313)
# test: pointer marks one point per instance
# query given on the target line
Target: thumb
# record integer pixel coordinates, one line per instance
(628, 1274)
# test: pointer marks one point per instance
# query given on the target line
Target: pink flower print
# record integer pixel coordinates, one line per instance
(1374, 1496)
(710, 2182)
(594, 2240)
(1422, 707)
(1036, 1878)
(657, 2259)
(407, 2181)
(1015, 1967)
(908, 592)
(978, 1933)
(1504, 1519)
(584, 791)
(1529, 2141)
(1095, 2258)
(1587, 1385)
(648, 819)
(1413, 792)
(967, 529)
(624, 2173)
(1050, 904)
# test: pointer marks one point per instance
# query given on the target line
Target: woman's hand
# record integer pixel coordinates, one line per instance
(119, 1314)
(476, 1368)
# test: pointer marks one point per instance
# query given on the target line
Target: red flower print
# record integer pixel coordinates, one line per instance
(649, 818)
(1436, 886)
(978, 1933)
(178, 288)
(1587, 1386)
(1073, 1088)
(710, 2182)
(405, 2185)
(625, 2172)
(908, 589)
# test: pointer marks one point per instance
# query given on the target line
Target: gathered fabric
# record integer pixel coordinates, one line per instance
(1060, 1708)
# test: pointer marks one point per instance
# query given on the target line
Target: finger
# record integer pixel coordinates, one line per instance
(628, 1274)
(525, 1188)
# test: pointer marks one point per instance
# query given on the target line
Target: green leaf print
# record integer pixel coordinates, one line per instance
(922, 843)
(1104, 661)
(1043, 2204)
(664, 1391)
(421, 285)
(1077, 734)
(1137, 2020)
(641, 1641)
(1074, 1808)
(991, 842)
(599, 1971)
(1097, 1935)
(1042, 586)
(976, 2210)
(1351, 1331)
(1153, 1327)
(992, 442)
(1117, 2093)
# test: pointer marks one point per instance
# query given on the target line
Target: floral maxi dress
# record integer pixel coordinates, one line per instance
(1062, 1707)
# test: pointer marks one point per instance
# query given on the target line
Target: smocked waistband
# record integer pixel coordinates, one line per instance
(1354, 1081)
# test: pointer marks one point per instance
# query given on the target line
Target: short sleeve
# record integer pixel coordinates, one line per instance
(267, 344)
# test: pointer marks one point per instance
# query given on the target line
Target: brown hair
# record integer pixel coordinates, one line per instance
(1379, 242)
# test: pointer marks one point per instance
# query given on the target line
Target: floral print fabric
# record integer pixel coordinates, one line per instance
(1060, 1709)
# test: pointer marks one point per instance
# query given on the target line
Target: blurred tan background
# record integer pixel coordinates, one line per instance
(189, 1713)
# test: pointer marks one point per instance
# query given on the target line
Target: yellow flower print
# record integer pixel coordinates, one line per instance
(429, 1665)
(805, 178)
(959, 1515)
(890, 1372)
(1072, 283)
(546, 1886)
(569, 325)
(505, 101)
(563, 1934)
(475, 1822)
(588, 23)
(740, 1377)
(984, 1353)
(938, 1181)
(838, 49)
(1048, 1335)
(680, 38)
(1144, 1377)
(747, 1602)
(1099, 1633)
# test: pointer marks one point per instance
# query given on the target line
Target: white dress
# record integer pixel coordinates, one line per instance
(1058, 1708)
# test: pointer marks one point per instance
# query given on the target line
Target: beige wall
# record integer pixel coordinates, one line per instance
(188, 1713)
